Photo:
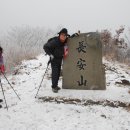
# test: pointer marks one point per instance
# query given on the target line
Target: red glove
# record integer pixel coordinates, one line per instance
(65, 51)
(2, 68)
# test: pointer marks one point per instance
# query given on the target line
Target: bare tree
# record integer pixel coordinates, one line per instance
(114, 47)
(23, 43)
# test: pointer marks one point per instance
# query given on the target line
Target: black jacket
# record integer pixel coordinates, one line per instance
(54, 47)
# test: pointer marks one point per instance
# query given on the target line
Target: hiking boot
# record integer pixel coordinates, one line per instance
(0, 106)
(55, 90)
(1, 100)
(58, 88)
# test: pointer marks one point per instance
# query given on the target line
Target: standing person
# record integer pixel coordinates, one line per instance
(55, 49)
(1, 102)
(2, 68)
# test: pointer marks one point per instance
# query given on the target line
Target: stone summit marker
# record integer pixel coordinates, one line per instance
(83, 68)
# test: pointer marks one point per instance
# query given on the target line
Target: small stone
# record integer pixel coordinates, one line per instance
(13, 83)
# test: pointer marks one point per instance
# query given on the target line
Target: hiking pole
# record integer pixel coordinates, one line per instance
(43, 77)
(3, 94)
(10, 85)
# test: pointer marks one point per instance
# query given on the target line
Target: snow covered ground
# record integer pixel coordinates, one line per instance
(33, 114)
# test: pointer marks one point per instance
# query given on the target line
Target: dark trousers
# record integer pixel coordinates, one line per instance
(56, 69)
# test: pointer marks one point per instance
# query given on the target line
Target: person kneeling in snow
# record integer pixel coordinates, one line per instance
(55, 49)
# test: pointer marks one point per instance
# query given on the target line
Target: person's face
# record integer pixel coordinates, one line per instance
(62, 37)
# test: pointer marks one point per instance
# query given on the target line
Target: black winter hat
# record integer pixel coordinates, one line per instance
(64, 30)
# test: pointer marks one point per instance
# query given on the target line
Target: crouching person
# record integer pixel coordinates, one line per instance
(55, 49)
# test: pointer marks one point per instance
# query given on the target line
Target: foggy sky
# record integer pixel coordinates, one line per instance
(84, 15)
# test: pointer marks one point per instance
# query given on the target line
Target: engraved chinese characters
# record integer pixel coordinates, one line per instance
(82, 68)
